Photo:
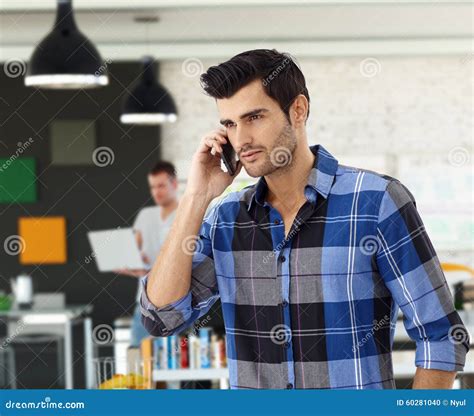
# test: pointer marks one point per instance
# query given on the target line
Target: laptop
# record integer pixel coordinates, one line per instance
(115, 249)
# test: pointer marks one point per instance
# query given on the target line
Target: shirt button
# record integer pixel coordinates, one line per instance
(286, 345)
(276, 222)
(284, 304)
(282, 258)
(289, 386)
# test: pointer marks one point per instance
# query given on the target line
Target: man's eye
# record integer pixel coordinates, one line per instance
(229, 124)
(254, 117)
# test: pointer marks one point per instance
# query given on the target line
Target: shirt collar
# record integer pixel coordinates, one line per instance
(320, 178)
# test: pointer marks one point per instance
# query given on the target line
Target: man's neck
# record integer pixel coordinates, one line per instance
(286, 186)
(168, 208)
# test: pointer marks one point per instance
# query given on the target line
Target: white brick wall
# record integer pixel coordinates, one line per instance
(412, 119)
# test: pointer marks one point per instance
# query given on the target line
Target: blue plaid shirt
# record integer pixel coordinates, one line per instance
(317, 308)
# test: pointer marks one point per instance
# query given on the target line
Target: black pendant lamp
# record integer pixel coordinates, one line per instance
(149, 103)
(65, 58)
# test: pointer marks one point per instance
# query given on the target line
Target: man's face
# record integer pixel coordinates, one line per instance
(162, 188)
(258, 130)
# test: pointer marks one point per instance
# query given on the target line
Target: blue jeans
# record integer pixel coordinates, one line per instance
(138, 330)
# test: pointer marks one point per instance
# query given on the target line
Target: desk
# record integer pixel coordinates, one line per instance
(65, 318)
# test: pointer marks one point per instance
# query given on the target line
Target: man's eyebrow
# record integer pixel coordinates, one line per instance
(245, 115)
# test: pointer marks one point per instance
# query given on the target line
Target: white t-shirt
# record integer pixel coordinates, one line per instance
(153, 230)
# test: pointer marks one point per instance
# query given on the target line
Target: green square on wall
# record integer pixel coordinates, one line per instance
(72, 142)
(18, 180)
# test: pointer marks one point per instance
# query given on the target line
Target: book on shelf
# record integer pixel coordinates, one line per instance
(205, 351)
(183, 353)
(194, 352)
(146, 350)
(218, 357)
(160, 352)
(173, 350)
(201, 349)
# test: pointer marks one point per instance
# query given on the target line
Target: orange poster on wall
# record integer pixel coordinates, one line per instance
(43, 240)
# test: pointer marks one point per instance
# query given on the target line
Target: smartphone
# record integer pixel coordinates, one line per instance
(228, 157)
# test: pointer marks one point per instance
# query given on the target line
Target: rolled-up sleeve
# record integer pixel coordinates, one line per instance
(412, 272)
(175, 317)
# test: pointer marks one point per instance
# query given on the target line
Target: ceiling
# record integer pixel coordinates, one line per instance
(122, 30)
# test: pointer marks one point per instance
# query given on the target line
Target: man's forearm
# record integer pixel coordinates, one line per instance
(433, 379)
(170, 276)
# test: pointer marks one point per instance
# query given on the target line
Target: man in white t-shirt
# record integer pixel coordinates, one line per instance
(151, 227)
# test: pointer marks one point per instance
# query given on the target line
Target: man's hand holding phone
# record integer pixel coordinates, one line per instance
(206, 177)
(170, 277)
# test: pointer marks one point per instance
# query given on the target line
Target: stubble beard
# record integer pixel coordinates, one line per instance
(279, 158)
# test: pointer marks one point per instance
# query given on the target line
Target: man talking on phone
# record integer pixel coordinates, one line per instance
(311, 263)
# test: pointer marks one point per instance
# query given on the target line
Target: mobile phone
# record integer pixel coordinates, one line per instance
(228, 157)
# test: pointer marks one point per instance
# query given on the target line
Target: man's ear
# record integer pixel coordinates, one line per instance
(174, 183)
(299, 110)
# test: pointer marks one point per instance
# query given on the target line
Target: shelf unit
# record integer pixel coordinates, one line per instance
(184, 374)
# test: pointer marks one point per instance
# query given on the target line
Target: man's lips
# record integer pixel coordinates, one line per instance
(250, 155)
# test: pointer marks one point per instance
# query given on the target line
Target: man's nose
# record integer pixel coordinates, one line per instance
(242, 138)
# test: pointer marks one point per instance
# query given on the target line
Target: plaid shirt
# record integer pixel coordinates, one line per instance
(317, 308)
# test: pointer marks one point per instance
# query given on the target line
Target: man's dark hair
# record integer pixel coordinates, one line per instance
(281, 77)
(163, 166)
